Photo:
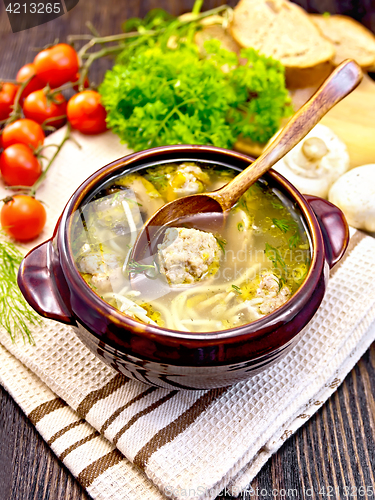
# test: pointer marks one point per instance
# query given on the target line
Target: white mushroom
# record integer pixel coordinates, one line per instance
(316, 162)
(354, 193)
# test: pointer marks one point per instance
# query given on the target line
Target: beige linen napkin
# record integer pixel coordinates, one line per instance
(125, 440)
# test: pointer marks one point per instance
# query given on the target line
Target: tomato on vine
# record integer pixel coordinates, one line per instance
(8, 93)
(86, 112)
(19, 166)
(39, 107)
(57, 65)
(23, 131)
(22, 217)
(28, 71)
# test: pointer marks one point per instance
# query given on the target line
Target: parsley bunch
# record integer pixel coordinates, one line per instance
(157, 96)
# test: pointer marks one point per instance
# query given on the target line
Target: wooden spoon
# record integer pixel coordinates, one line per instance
(339, 84)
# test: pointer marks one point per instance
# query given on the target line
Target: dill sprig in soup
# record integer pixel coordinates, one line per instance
(199, 279)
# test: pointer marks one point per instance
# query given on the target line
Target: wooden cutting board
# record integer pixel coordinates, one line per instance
(353, 120)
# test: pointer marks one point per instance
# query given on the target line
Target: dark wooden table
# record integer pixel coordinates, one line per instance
(332, 455)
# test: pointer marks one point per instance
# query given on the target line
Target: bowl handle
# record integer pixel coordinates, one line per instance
(334, 228)
(39, 277)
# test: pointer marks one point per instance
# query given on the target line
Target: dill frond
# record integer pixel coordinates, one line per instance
(16, 316)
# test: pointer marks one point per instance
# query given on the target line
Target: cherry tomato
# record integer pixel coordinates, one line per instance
(23, 131)
(57, 65)
(18, 166)
(23, 217)
(35, 83)
(86, 113)
(38, 108)
(8, 93)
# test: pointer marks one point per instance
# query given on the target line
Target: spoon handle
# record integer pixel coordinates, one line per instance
(339, 84)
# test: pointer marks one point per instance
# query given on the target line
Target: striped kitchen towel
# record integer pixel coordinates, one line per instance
(126, 440)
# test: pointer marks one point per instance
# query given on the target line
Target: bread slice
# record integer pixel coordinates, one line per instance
(283, 30)
(350, 39)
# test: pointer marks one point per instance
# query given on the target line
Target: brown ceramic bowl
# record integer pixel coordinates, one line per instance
(52, 285)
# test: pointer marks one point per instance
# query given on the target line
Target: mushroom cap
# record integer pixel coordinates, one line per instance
(354, 194)
(314, 164)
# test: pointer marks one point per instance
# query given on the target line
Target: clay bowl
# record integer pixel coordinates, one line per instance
(52, 285)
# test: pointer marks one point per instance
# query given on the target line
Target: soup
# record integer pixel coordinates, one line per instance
(202, 276)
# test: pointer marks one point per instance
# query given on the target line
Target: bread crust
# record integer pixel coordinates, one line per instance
(350, 39)
(297, 78)
(280, 29)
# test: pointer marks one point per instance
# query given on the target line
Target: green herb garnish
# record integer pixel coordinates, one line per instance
(274, 255)
(240, 226)
(16, 315)
(300, 272)
(294, 240)
(237, 289)
(125, 198)
(115, 197)
(282, 224)
(276, 204)
(155, 95)
(137, 268)
(221, 243)
(159, 181)
(132, 201)
(280, 281)
(288, 225)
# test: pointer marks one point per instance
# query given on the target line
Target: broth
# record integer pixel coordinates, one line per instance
(199, 280)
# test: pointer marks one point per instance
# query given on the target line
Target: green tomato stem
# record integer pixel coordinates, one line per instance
(17, 110)
(6, 80)
(124, 36)
(44, 125)
(44, 173)
(93, 57)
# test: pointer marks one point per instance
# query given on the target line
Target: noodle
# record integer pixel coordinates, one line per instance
(133, 232)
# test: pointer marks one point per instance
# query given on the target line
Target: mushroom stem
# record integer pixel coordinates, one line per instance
(314, 148)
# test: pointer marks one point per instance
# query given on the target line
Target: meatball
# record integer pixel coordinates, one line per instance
(188, 179)
(188, 255)
(274, 294)
(105, 269)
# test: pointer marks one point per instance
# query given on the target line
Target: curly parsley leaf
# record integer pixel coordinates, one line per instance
(156, 96)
